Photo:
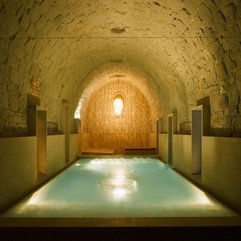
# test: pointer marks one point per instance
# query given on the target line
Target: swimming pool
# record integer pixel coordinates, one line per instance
(119, 188)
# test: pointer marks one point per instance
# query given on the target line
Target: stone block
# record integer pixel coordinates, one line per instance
(25, 21)
(9, 25)
(40, 24)
(39, 1)
(4, 73)
(4, 52)
(49, 28)
(35, 13)
(233, 95)
(221, 70)
(28, 5)
(11, 7)
(3, 95)
(31, 31)
(219, 22)
(45, 8)
(219, 102)
(19, 11)
(205, 12)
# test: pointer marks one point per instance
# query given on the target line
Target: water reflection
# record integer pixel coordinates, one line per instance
(118, 184)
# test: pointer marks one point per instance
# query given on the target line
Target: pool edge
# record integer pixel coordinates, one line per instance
(122, 222)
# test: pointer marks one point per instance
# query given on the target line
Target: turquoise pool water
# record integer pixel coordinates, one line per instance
(119, 187)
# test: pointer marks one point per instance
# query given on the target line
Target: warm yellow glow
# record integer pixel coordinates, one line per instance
(118, 185)
(35, 200)
(203, 199)
(118, 104)
(119, 193)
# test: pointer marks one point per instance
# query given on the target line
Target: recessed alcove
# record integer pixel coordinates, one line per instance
(134, 127)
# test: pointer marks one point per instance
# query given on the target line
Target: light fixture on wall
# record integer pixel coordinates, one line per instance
(118, 102)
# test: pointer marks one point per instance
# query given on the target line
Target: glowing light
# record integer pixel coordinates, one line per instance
(36, 199)
(77, 113)
(118, 185)
(203, 199)
(119, 193)
(118, 104)
(94, 165)
(119, 173)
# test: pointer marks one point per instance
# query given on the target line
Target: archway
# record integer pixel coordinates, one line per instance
(101, 128)
(135, 127)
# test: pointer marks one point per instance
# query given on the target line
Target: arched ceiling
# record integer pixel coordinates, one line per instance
(186, 50)
(120, 73)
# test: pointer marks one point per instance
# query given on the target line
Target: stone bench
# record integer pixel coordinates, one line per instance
(140, 150)
(97, 151)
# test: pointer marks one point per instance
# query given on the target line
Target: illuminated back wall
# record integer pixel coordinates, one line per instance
(102, 129)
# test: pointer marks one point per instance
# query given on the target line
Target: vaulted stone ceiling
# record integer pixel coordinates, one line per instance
(176, 51)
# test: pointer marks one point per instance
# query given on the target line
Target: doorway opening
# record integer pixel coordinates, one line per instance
(170, 139)
(41, 134)
(65, 127)
(197, 133)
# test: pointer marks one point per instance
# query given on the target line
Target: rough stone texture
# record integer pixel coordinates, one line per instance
(186, 50)
(105, 130)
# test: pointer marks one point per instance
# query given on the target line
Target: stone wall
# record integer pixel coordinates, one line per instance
(131, 129)
(187, 49)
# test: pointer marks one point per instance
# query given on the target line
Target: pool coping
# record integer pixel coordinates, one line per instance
(121, 222)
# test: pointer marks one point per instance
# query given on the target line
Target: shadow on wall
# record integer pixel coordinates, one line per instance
(225, 132)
